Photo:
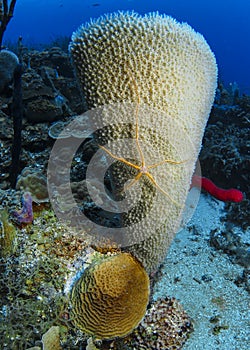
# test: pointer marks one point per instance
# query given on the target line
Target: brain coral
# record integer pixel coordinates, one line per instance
(163, 74)
(111, 296)
(33, 181)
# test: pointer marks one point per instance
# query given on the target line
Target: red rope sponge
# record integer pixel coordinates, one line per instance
(230, 195)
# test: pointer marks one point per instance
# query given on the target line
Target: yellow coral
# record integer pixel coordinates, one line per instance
(7, 234)
(110, 298)
(51, 339)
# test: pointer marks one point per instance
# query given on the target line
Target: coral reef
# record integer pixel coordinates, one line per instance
(48, 80)
(37, 259)
(42, 101)
(17, 114)
(33, 279)
(110, 298)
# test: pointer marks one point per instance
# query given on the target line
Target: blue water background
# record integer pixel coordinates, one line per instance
(224, 23)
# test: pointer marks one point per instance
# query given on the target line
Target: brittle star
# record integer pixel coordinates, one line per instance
(143, 168)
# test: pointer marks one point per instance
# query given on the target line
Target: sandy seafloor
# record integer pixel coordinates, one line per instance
(202, 279)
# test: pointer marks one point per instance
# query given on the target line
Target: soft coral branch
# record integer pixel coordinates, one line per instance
(6, 13)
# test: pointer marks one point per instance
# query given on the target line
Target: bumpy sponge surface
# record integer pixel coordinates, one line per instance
(164, 73)
(172, 65)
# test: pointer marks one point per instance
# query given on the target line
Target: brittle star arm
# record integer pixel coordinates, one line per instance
(166, 161)
(120, 158)
(160, 189)
(127, 163)
(132, 182)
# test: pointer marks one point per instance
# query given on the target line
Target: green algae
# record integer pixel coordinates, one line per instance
(8, 234)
